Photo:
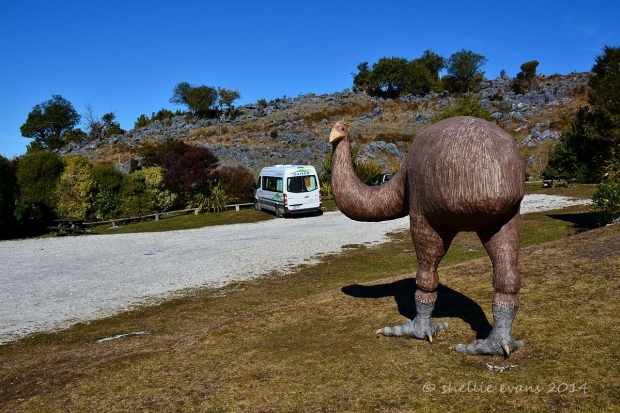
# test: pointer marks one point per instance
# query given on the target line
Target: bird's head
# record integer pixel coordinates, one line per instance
(339, 131)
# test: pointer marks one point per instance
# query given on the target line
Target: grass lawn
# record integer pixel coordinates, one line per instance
(305, 342)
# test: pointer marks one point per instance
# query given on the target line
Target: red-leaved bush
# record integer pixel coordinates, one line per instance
(187, 169)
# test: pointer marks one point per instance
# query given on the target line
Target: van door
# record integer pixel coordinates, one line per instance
(269, 194)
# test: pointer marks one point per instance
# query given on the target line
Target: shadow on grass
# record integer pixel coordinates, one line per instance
(450, 303)
(582, 221)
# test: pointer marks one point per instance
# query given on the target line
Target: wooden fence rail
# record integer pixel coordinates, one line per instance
(159, 215)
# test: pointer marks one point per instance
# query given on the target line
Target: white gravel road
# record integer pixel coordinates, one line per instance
(49, 284)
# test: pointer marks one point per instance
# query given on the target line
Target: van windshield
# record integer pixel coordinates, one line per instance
(297, 184)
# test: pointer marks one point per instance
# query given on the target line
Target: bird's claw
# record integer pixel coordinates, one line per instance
(490, 345)
(421, 328)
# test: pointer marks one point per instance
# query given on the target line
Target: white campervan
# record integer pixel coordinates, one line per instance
(288, 189)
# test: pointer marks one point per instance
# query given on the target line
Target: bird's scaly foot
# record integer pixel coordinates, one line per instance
(499, 340)
(420, 327)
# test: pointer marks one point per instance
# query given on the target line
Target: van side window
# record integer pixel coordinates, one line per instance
(297, 184)
(272, 183)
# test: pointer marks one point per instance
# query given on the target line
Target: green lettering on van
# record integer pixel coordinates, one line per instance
(301, 171)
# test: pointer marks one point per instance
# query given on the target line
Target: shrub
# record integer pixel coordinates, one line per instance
(326, 188)
(162, 199)
(142, 121)
(7, 194)
(37, 174)
(607, 200)
(135, 201)
(75, 190)
(394, 137)
(578, 154)
(187, 169)
(107, 204)
(238, 182)
(467, 105)
(213, 199)
(367, 170)
(526, 79)
(364, 170)
(162, 115)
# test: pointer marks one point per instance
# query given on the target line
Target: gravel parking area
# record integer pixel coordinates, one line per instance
(52, 283)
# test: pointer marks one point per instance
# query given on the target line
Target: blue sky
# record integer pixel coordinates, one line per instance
(127, 56)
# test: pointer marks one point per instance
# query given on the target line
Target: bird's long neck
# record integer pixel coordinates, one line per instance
(359, 201)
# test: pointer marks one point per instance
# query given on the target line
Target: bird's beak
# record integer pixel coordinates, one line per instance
(339, 131)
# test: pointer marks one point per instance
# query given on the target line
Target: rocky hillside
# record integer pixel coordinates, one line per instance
(295, 130)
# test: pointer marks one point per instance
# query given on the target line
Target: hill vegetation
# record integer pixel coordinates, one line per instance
(565, 125)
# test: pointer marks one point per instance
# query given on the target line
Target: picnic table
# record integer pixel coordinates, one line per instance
(68, 226)
(553, 181)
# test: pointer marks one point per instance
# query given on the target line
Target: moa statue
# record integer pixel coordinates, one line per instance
(461, 174)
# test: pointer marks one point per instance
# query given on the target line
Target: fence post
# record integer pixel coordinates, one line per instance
(156, 217)
(195, 211)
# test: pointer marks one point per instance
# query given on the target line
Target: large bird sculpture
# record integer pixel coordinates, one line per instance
(460, 174)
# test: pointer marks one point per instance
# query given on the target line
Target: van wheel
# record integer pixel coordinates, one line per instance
(279, 213)
(257, 205)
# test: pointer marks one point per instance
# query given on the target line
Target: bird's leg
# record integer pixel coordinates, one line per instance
(431, 244)
(500, 340)
(421, 326)
(502, 244)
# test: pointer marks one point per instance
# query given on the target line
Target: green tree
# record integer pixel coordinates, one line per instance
(365, 80)
(604, 116)
(604, 94)
(578, 154)
(198, 99)
(419, 80)
(37, 174)
(394, 76)
(75, 191)
(48, 122)
(75, 135)
(101, 128)
(390, 73)
(464, 71)
(180, 94)
(586, 146)
(227, 97)
(7, 195)
(142, 121)
(433, 62)
(526, 79)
